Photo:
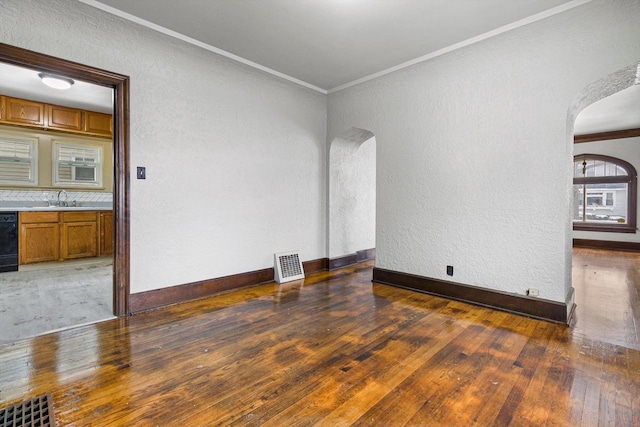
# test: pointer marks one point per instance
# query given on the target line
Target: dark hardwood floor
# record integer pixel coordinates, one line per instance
(337, 350)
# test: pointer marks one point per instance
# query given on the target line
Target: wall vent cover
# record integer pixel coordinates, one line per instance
(288, 267)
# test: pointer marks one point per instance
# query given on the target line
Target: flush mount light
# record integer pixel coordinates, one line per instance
(55, 82)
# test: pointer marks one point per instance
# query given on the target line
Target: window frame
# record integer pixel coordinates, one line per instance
(33, 161)
(632, 194)
(55, 163)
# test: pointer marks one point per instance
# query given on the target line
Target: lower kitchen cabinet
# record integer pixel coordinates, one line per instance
(79, 234)
(58, 236)
(106, 233)
(39, 239)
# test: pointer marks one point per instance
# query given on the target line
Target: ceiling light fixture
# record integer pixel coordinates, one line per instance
(56, 82)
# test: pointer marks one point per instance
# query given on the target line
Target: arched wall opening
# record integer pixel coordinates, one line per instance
(594, 92)
(352, 197)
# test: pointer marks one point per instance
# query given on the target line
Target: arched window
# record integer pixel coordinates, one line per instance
(604, 194)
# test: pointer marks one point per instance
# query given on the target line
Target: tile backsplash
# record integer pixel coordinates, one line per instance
(31, 196)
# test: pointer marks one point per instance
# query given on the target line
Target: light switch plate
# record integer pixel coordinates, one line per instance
(142, 172)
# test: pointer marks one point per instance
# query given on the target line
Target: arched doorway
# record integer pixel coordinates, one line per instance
(352, 197)
(605, 289)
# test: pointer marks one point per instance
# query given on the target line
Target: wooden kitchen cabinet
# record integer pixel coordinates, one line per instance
(63, 118)
(106, 233)
(39, 239)
(62, 235)
(79, 234)
(98, 123)
(25, 113)
(21, 111)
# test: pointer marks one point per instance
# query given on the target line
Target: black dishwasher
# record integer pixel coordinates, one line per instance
(8, 241)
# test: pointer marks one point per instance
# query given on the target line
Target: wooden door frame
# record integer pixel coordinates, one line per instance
(120, 84)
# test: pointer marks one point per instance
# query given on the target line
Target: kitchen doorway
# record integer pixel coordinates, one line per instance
(119, 87)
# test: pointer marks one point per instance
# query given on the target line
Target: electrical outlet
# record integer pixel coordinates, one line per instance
(533, 292)
(142, 172)
(449, 270)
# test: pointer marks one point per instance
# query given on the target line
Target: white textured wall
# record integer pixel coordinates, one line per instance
(352, 193)
(474, 152)
(626, 149)
(235, 158)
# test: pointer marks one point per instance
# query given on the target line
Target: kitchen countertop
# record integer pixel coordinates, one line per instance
(53, 208)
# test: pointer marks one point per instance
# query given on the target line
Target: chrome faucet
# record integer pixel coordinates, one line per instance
(59, 203)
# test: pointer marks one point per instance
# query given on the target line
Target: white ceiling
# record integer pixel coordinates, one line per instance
(24, 83)
(327, 44)
(619, 111)
(331, 43)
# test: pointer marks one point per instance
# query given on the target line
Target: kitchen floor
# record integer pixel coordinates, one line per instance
(47, 297)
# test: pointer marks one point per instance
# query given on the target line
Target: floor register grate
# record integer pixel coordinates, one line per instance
(288, 267)
(36, 412)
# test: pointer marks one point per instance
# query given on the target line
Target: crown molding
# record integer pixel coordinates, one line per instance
(533, 18)
(198, 43)
(522, 22)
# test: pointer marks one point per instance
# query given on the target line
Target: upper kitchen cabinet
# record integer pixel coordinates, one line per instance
(98, 123)
(25, 113)
(64, 118)
(21, 111)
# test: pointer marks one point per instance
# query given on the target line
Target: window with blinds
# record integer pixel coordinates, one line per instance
(77, 165)
(18, 162)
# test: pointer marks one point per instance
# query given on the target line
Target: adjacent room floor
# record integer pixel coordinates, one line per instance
(46, 297)
(607, 286)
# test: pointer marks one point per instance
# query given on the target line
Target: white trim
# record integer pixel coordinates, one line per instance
(522, 22)
(198, 43)
(464, 43)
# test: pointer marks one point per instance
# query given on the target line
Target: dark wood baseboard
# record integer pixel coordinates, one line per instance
(606, 244)
(346, 260)
(149, 300)
(343, 261)
(319, 264)
(518, 304)
(157, 298)
(366, 255)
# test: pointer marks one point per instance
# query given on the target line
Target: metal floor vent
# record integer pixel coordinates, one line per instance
(288, 267)
(36, 412)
